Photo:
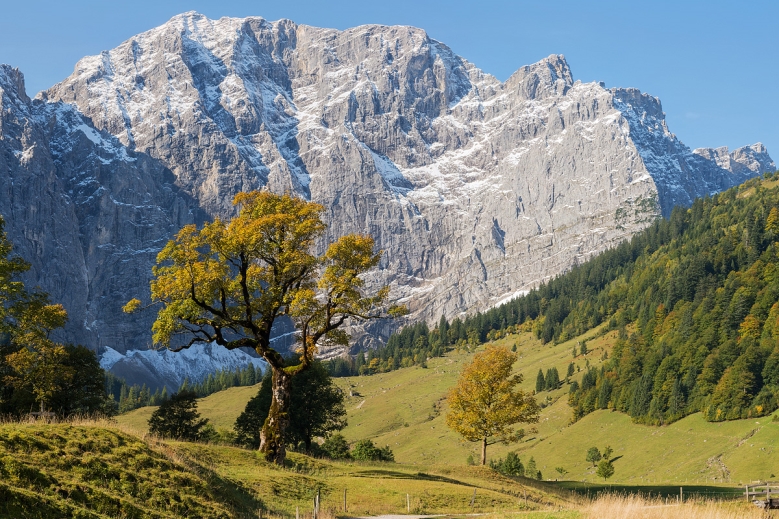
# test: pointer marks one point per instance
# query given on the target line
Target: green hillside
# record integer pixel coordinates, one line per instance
(696, 297)
(405, 409)
(98, 471)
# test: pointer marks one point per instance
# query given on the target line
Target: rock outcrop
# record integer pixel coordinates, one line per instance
(475, 189)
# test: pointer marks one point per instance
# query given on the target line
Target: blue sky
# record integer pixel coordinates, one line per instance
(712, 63)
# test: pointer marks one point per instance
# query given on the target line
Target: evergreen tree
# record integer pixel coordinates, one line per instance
(531, 471)
(540, 382)
(317, 410)
(178, 418)
(552, 379)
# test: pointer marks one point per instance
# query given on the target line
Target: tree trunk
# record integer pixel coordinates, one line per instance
(272, 433)
(484, 451)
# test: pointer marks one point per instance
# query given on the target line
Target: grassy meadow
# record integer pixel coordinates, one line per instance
(114, 469)
(406, 409)
(98, 469)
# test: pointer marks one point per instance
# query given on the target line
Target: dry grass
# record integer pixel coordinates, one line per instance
(615, 506)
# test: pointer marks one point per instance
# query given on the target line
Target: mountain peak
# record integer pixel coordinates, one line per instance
(549, 76)
(12, 82)
(475, 189)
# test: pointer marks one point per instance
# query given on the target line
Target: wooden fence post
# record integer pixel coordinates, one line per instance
(408, 504)
(344, 500)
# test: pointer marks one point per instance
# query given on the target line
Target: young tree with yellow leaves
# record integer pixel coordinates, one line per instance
(485, 405)
(27, 320)
(229, 282)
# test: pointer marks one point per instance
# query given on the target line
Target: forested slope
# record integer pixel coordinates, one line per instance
(694, 296)
(705, 312)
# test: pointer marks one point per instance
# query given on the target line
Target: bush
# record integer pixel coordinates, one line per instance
(336, 448)
(365, 450)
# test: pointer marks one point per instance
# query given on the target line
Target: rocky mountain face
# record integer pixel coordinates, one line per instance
(88, 213)
(475, 189)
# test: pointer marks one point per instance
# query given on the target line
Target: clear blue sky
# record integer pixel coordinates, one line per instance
(712, 63)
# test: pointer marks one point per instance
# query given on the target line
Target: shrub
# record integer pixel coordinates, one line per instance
(335, 447)
(365, 450)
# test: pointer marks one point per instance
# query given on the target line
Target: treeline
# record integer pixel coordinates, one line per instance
(411, 346)
(129, 397)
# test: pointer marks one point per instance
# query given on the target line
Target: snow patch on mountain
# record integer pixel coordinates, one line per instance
(156, 368)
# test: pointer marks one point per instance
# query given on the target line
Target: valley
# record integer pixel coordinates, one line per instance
(405, 409)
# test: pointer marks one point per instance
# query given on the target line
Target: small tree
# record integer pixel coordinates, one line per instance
(40, 368)
(540, 382)
(552, 379)
(531, 471)
(593, 455)
(485, 405)
(249, 423)
(178, 418)
(561, 471)
(317, 406)
(607, 452)
(605, 469)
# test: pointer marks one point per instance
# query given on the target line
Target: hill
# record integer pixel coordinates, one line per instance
(98, 471)
(696, 300)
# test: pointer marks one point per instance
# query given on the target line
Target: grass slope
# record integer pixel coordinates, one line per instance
(405, 409)
(96, 471)
(93, 472)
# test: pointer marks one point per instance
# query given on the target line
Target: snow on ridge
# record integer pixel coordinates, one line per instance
(193, 364)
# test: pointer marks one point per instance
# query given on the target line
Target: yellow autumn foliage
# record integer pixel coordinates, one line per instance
(486, 404)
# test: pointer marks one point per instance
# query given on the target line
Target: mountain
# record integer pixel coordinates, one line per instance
(692, 303)
(88, 213)
(157, 368)
(475, 189)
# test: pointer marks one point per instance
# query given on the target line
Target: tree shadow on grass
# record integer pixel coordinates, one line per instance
(393, 474)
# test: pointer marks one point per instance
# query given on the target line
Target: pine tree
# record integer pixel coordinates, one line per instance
(540, 382)
(178, 418)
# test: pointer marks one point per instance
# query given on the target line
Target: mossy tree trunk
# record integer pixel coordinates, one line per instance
(272, 434)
